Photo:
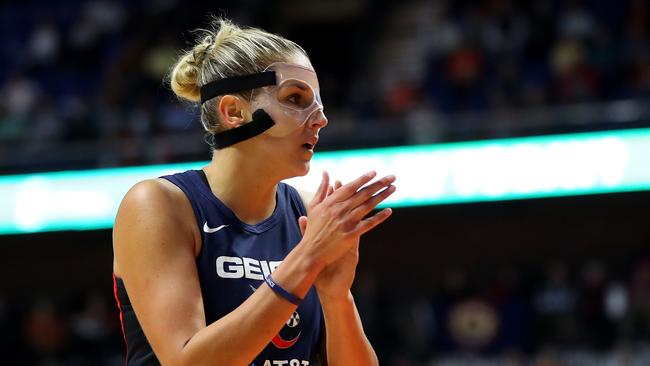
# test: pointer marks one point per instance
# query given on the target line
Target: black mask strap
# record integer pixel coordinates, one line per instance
(260, 123)
(236, 84)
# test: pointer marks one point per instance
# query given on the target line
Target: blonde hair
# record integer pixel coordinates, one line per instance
(226, 50)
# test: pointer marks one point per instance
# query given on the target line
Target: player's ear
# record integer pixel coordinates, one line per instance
(232, 111)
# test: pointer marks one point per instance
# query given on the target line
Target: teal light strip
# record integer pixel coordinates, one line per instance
(505, 169)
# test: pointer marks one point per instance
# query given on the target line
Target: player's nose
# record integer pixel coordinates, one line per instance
(317, 120)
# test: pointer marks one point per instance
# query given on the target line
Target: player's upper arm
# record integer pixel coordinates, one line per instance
(154, 251)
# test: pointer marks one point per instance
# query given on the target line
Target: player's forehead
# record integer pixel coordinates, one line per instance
(300, 60)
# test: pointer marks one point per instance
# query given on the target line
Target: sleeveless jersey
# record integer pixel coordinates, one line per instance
(233, 261)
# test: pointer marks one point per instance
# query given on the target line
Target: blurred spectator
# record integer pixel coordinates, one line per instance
(44, 43)
(19, 95)
(5, 330)
(638, 323)
(94, 331)
(464, 71)
(597, 329)
(13, 127)
(424, 124)
(555, 306)
(508, 296)
(45, 334)
(616, 301)
(47, 125)
(575, 80)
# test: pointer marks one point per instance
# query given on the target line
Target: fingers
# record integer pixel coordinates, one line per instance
(366, 193)
(302, 223)
(346, 191)
(323, 189)
(370, 223)
(331, 189)
(363, 209)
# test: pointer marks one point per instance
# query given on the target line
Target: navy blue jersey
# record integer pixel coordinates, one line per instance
(233, 261)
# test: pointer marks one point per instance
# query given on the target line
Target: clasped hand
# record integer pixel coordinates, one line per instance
(335, 222)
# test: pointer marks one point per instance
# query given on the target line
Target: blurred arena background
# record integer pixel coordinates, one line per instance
(561, 280)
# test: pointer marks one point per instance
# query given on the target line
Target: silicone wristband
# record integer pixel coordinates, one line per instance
(282, 292)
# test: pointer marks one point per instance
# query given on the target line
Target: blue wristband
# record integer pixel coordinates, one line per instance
(282, 292)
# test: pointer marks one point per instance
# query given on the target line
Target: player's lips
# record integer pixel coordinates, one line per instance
(310, 144)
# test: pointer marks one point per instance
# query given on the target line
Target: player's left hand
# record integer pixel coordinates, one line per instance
(335, 281)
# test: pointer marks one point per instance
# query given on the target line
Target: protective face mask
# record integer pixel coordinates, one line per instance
(292, 101)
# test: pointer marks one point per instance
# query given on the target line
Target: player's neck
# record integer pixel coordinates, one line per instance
(242, 187)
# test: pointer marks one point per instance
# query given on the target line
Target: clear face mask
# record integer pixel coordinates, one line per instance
(292, 101)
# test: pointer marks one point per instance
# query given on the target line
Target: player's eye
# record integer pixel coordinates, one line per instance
(294, 99)
(295, 95)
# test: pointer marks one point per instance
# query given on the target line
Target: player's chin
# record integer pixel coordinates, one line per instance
(302, 168)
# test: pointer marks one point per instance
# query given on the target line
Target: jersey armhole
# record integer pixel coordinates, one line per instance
(181, 186)
(297, 198)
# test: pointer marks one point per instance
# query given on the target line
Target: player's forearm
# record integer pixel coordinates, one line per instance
(347, 343)
(238, 337)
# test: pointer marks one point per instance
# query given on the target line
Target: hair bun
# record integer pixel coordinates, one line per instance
(185, 74)
(184, 78)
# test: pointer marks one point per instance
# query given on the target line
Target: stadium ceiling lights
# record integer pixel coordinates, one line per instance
(492, 170)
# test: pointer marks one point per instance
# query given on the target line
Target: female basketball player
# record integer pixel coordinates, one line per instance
(225, 265)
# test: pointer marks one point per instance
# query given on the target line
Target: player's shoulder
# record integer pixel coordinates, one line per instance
(153, 191)
(153, 211)
(154, 197)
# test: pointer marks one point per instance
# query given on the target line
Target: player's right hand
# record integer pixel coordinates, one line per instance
(337, 218)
